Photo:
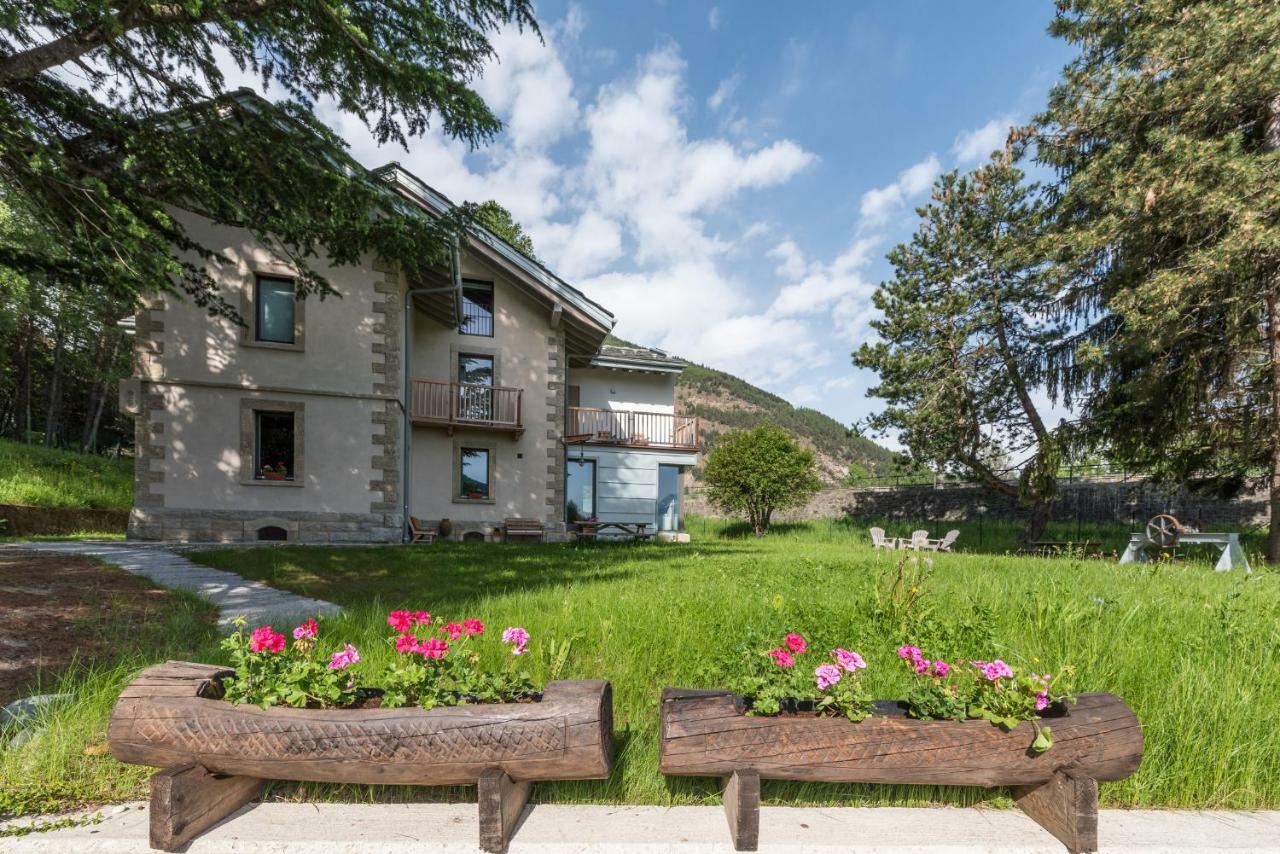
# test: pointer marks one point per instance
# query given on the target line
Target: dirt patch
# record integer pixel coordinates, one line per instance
(57, 612)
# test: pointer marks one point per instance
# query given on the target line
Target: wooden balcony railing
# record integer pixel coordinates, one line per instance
(631, 428)
(465, 405)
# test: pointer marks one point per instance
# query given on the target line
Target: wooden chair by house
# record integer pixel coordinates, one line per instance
(880, 541)
(420, 532)
(522, 529)
(944, 544)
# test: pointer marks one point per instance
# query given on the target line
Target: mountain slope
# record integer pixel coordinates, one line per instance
(725, 402)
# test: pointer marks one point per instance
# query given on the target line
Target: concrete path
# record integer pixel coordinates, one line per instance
(232, 594)
(451, 829)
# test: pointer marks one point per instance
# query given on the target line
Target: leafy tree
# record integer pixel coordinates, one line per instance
(758, 472)
(966, 322)
(1165, 130)
(106, 124)
(498, 219)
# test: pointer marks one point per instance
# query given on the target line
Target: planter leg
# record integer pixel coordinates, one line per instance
(187, 800)
(501, 801)
(742, 808)
(1066, 806)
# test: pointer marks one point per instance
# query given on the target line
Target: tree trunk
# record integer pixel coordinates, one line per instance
(1037, 522)
(1273, 334)
(55, 386)
(1272, 142)
(98, 399)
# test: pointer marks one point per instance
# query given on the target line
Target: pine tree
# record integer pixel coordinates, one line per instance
(967, 320)
(1165, 131)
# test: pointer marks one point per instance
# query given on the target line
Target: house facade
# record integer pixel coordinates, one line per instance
(481, 392)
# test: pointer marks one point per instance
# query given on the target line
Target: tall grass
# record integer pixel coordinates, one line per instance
(1193, 651)
(47, 477)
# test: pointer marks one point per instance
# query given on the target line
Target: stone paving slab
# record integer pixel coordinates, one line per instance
(281, 828)
(232, 594)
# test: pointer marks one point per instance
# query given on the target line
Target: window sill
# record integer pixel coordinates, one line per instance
(295, 347)
(260, 482)
(458, 500)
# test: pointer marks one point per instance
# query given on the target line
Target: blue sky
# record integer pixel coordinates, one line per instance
(726, 177)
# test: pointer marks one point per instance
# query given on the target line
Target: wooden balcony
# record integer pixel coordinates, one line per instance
(450, 405)
(631, 429)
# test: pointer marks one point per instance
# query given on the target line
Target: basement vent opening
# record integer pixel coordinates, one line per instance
(473, 537)
(272, 534)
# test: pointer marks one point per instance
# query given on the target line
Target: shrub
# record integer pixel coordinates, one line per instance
(758, 472)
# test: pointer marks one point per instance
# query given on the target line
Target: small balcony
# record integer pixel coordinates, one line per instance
(450, 405)
(631, 429)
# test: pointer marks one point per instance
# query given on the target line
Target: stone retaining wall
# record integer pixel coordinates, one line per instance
(246, 526)
(24, 521)
(1125, 502)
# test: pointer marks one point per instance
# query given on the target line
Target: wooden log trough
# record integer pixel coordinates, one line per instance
(707, 734)
(216, 755)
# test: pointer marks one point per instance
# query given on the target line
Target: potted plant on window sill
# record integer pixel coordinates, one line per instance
(475, 495)
(277, 472)
(299, 711)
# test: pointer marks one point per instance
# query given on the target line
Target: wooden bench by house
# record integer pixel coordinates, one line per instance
(514, 529)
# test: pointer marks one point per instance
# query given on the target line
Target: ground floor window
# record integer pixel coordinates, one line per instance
(274, 444)
(579, 490)
(668, 498)
(474, 473)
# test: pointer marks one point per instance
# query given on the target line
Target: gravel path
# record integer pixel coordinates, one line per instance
(232, 594)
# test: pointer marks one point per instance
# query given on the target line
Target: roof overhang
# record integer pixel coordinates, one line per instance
(631, 363)
(586, 323)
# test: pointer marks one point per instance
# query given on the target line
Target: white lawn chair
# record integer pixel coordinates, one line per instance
(880, 541)
(944, 544)
(919, 540)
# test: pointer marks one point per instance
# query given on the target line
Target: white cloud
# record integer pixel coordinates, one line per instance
(881, 203)
(582, 248)
(724, 91)
(977, 144)
(713, 18)
(791, 263)
(817, 287)
(530, 86)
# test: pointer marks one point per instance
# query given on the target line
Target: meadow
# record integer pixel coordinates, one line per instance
(1193, 651)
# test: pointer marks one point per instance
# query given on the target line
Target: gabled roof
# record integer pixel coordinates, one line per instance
(588, 320)
(631, 358)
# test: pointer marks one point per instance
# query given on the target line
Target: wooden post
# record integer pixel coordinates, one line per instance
(742, 808)
(501, 802)
(187, 800)
(1066, 806)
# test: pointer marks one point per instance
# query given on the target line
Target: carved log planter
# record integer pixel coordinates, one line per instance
(706, 733)
(216, 754)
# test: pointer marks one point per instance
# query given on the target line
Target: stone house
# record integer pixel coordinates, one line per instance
(484, 394)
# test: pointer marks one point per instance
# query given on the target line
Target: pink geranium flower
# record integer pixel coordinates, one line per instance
(941, 668)
(454, 630)
(994, 670)
(433, 648)
(912, 652)
(422, 618)
(306, 631)
(827, 675)
(406, 643)
(1042, 701)
(849, 661)
(344, 658)
(782, 658)
(401, 621)
(796, 643)
(266, 639)
(517, 637)
(472, 627)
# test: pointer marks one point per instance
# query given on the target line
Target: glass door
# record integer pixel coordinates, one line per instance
(579, 490)
(475, 390)
(668, 498)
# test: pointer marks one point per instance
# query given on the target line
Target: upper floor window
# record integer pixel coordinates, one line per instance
(274, 305)
(477, 308)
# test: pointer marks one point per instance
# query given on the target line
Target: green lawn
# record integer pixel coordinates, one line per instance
(45, 477)
(1193, 651)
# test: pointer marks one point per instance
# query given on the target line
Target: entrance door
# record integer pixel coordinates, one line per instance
(668, 498)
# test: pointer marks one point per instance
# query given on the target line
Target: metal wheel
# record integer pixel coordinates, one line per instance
(1163, 531)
